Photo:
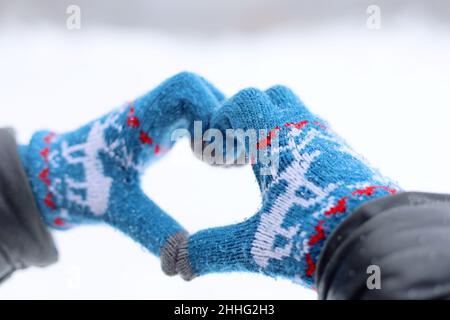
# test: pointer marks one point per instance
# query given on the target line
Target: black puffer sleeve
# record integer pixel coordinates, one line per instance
(24, 238)
(405, 236)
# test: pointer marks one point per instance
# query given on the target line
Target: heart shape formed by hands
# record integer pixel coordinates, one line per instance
(92, 174)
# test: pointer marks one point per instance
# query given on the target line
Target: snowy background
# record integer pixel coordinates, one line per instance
(387, 91)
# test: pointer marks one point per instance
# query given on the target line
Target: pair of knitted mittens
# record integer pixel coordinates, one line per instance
(313, 182)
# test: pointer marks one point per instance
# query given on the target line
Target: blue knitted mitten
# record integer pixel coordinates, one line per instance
(318, 182)
(92, 174)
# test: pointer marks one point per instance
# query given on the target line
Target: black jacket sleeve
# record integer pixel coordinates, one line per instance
(24, 238)
(406, 235)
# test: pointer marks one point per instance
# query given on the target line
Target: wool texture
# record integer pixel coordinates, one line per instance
(318, 181)
(93, 174)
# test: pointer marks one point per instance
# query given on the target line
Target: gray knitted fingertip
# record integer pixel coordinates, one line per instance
(183, 267)
(174, 257)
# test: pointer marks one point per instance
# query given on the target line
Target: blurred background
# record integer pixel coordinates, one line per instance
(378, 71)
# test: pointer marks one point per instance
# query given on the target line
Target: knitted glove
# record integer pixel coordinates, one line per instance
(317, 182)
(92, 174)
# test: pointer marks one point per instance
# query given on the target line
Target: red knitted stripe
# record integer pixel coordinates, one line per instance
(58, 221)
(340, 207)
(297, 125)
(145, 139)
(319, 235)
(264, 143)
(311, 266)
(132, 120)
(49, 138)
(44, 176)
(368, 191)
(44, 153)
(49, 202)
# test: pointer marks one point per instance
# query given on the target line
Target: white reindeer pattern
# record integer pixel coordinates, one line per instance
(96, 185)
